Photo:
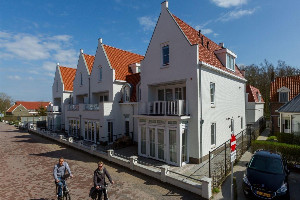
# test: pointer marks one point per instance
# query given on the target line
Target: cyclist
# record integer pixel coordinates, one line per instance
(58, 173)
(99, 180)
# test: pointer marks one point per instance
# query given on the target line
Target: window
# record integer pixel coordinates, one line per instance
(161, 95)
(229, 62)
(169, 95)
(103, 98)
(110, 131)
(81, 81)
(127, 127)
(212, 93)
(242, 121)
(283, 97)
(126, 94)
(232, 126)
(178, 93)
(213, 133)
(100, 73)
(165, 52)
(287, 124)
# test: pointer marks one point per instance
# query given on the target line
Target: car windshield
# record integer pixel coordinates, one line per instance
(266, 164)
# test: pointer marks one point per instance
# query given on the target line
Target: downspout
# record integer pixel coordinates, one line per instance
(89, 90)
(201, 120)
(79, 127)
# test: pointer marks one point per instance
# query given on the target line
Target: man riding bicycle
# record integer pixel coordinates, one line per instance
(99, 180)
(59, 173)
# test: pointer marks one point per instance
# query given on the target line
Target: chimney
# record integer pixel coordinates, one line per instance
(207, 44)
(164, 5)
(57, 64)
(100, 40)
(81, 50)
(221, 44)
(243, 72)
(199, 33)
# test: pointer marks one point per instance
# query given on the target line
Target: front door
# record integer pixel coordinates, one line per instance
(160, 144)
(172, 146)
(152, 142)
(184, 158)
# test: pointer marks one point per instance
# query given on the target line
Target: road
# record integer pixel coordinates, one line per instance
(27, 162)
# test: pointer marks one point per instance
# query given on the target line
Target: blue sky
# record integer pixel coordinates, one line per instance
(35, 34)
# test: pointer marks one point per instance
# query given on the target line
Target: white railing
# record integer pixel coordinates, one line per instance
(73, 107)
(177, 107)
(91, 107)
(53, 109)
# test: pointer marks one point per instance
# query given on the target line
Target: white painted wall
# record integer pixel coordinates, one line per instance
(182, 67)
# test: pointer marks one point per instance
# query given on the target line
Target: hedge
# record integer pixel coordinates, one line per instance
(290, 152)
(288, 138)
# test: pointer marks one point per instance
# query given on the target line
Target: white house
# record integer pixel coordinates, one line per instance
(290, 116)
(62, 91)
(254, 105)
(104, 106)
(192, 94)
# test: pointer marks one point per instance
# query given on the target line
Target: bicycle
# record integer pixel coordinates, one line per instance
(95, 197)
(65, 189)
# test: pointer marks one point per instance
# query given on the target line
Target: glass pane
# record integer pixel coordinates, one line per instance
(161, 95)
(85, 130)
(97, 132)
(143, 140)
(169, 94)
(212, 92)
(213, 134)
(178, 94)
(172, 142)
(161, 142)
(152, 141)
(184, 146)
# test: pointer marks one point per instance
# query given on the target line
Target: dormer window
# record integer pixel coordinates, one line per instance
(165, 52)
(229, 62)
(283, 97)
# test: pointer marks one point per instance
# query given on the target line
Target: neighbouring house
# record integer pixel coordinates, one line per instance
(26, 108)
(62, 93)
(104, 95)
(192, 94)
(282, 90)
(289, 120)
(254, 105)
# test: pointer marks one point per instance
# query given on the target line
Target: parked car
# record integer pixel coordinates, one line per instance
(266, 176)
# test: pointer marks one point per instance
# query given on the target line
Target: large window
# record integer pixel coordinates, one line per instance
(81, 81)
(232, 126)
(126, 94)
(100, 73)
(178, 93)
(103, 98)
(213, 134)
(165, 52)
(230, 62)
(283, 97)
(212, 93)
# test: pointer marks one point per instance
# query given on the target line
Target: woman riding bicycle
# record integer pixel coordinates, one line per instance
(99, 180)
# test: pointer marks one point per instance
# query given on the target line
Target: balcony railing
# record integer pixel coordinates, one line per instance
(177, 107)
(73, 107)
(91, 107)
(53, 109)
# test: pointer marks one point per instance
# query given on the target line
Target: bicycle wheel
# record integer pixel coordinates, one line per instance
(67, 196)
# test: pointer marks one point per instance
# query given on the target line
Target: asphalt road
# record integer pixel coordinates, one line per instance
(27, 162)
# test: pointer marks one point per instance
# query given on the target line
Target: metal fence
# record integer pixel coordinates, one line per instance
(219, 158)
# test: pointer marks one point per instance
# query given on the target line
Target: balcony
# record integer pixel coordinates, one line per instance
(91, 107)
(175, 108)
(53, 109)
(73, 107)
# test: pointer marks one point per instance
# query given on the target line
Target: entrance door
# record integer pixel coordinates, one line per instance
(160, 144)
(172, 146)
(184, 146)
(152, 142)
(287, 128)
(143, 140)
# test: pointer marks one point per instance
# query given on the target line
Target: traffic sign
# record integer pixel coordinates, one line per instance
(232, 142)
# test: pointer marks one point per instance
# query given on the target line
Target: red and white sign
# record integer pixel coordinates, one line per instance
(232, 142)
(233, 147)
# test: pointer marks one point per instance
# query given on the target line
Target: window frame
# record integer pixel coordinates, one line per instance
(165, 57)
(100, 74)
(230, 62)
(287, 97)
(212, 95)
(213, 132)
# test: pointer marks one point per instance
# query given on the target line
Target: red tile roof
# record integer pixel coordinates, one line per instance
(68, 76)
(89, 61)
(290, 82)
(120, 61)
(133, 80)
(252, 94)
(29, 105)
(206, 55)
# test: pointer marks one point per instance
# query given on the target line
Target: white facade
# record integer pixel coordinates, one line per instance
(178, 137)
(254, 111)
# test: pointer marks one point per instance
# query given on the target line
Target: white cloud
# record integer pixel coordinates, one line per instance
(148, 23)
(236, 14)
(68, 56)
(64, 38)
(15, 77)
(204, 31)
(49, 66)
(229, 3)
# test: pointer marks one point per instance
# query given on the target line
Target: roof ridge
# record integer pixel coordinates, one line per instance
(123, 50)
(88, 54)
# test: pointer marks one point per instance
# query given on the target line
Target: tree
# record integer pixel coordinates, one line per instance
(42, 111)
(5, 102)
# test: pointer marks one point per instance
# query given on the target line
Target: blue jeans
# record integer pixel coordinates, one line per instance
(60, 185)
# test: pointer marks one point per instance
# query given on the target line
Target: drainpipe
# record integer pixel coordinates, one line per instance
(89, 90)
(201, 120)
(79, 127)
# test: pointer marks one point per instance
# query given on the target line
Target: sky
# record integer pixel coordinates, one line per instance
(37, 34)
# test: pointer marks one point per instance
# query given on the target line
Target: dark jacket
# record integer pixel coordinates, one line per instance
(99, 178)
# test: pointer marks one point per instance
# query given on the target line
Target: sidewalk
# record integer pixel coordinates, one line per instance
(238, 172)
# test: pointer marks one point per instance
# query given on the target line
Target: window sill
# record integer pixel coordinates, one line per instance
(165, 66)
(212, 105)
(212, 146)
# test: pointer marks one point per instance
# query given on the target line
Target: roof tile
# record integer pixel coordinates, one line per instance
(290, 82)
(252, 94)
(68, 76)
(89, 61)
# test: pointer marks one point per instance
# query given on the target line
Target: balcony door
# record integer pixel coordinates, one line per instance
(172, 146)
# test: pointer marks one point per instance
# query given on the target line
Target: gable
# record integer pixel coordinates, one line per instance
(290, 82)
(67, 76)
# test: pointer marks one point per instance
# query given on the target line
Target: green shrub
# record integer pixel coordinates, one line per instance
(272, 138)
(216, 190)
(290, 152)
(288, 138)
